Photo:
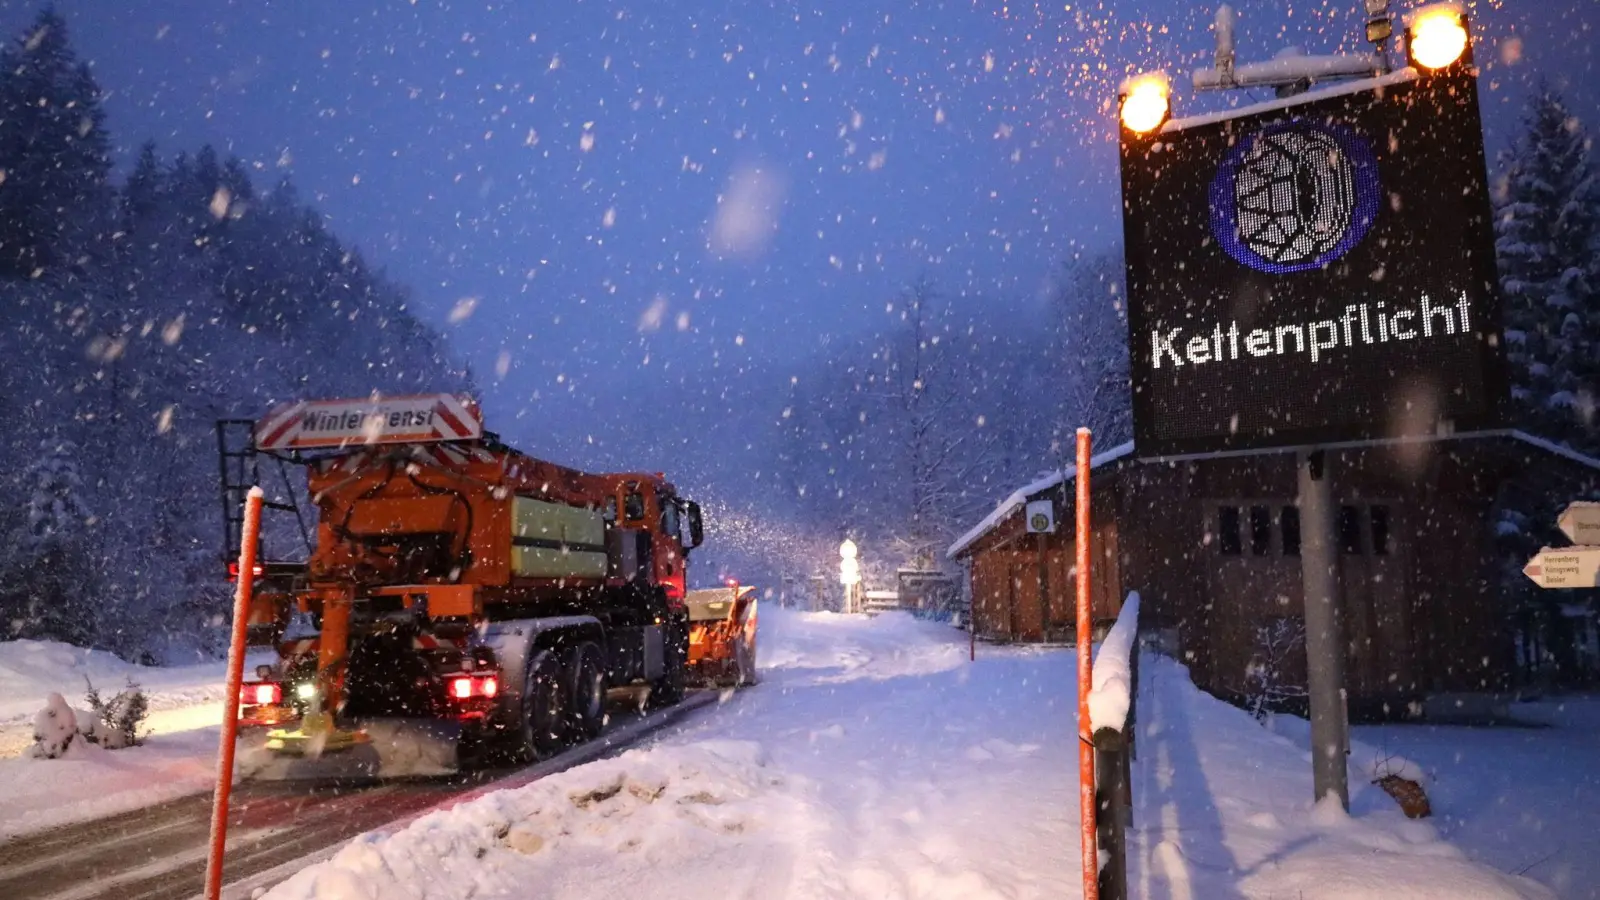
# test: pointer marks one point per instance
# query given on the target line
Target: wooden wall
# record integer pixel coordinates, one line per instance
(1420, 606)
(1008, 603)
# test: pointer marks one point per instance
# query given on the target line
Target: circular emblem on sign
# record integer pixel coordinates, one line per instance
(1294, 197)
(1040, 521)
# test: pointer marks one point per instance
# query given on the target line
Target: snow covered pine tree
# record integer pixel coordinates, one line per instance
(50, 583)
(1548, 247)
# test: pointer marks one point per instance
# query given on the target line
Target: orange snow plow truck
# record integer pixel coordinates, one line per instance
(458, 600)
(722, 636)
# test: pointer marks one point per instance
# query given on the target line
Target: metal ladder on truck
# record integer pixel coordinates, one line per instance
(239, 468)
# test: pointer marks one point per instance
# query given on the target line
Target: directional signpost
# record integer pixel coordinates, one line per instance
(1580, 522)
(1571, 567)
(1565, 567)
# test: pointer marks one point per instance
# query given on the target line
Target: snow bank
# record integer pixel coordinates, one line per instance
(30, 671)
(90, 782)
(657, 821)
(876, 761)
(1109, 698)
(1514, 798)
(1229, 813)
(55, 728)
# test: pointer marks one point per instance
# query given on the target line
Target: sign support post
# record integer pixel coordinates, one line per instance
(1041, 523)
(1325, 642)
(1044, 585)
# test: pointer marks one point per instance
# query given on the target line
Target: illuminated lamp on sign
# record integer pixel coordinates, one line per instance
(1437, 36)
(1145, 104)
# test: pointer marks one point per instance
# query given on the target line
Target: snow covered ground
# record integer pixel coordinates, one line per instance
(876, 761)
(1521, 800)
(178, 758)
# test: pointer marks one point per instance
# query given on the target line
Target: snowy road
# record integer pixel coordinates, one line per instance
(159, 852)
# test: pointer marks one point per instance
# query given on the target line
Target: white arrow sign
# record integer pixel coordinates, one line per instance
(1580, 522)
(1565, 567)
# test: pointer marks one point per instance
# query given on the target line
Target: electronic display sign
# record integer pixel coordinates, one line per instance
(1317, 270)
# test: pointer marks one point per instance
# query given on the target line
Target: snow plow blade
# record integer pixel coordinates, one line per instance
(386, 748)
(722, 637)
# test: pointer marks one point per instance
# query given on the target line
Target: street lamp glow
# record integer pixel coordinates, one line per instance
(1145, 104)
(1437, 36)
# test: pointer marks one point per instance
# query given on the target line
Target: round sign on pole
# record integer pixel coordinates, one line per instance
(847, 550)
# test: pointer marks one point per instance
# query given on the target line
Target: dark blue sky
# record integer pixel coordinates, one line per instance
(555, 169)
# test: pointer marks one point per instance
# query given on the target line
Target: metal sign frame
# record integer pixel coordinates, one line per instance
(1220, 294)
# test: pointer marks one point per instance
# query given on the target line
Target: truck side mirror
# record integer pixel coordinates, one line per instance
(697, 531)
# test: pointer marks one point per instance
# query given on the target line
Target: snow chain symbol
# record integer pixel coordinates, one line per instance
(1294, 197)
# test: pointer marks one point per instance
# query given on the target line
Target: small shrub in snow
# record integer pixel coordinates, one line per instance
(1267, 686)
(116, 722)
(54, 729)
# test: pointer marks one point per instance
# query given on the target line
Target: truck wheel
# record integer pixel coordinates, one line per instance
(588, 707)
(668, 689)
(542, 717)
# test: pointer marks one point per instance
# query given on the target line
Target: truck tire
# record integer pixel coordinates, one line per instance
(668, 689)
(541, 719)
(587, 709)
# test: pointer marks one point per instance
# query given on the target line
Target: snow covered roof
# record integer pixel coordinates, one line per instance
(1020, 496)
(1553, 447)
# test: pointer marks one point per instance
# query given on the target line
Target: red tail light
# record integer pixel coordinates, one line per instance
(465, 687)
(674, 590)
(264, 694)
(233, 570)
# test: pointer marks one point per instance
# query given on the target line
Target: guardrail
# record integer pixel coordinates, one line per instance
(1113, 715)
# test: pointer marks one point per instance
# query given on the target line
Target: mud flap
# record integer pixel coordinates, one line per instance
(396, 748)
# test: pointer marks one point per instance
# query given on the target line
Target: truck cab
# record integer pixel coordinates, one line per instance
(672, 526)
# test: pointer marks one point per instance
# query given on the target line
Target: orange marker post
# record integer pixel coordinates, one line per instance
(1086, 804)
(230, 699)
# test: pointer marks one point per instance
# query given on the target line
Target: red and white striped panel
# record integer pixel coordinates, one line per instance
(324, 424)
(278, 425)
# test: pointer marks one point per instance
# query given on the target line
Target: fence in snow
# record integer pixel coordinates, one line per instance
(1113, 713)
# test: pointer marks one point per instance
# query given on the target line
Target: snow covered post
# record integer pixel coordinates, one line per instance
(1111, 719)
(1085, 612)
(230, 697)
